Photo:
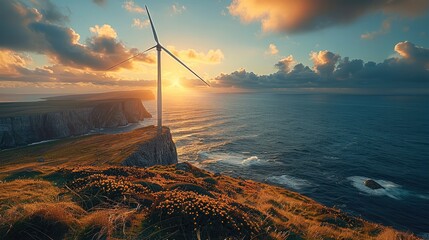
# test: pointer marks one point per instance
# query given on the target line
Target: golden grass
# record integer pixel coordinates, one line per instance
(40, 220)
(106, 224)
(390, 234)
(26, 191)
(93, 150)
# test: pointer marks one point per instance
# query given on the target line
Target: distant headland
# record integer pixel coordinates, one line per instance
(22, 123)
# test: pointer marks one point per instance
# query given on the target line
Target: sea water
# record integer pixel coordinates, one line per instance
(323, 146)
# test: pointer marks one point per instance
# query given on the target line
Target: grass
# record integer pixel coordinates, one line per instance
(27, 191)
(111, 202)
(93, 150)
(81, 192)
(40, 221)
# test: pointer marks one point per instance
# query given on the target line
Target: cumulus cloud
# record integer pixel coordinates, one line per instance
(131, 6)
(324, 62)
(105, 31)
(285, 64)
(272, 49)
(28, 29)
(413, 53)
(410, 70)
(138, 23)
(307, 15)
(191, 55)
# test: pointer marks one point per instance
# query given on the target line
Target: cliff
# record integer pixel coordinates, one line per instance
(159, 150)
(35, 122)
(140, 147)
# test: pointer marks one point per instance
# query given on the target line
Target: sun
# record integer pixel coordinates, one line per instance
(176, 84)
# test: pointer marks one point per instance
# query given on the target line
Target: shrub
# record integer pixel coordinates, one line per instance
(210, 180)
(189, 187)
(177, 214)
(151, 186)
(101, 189)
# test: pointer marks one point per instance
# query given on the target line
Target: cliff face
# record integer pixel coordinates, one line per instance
(119, 113)
(25, 129)
(159, 150)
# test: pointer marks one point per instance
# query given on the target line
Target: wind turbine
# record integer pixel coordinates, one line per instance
(159, 48)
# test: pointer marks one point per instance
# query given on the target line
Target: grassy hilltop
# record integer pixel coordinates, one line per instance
(76, 189)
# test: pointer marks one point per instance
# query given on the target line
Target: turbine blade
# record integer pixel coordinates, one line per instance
(151, 24)
(172, 55)
(126, 60)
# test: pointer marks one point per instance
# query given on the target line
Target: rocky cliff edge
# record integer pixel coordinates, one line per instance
(67, 119)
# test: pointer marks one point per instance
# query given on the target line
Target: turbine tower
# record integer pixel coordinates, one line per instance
(159, 48)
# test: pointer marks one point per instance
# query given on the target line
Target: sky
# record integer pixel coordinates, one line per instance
(333, 46)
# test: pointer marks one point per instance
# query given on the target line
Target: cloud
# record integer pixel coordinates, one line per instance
(10, 61)
(308, 15)
(285, 64)
(14, 71)
(408, 71)
(413, 53)
(131, 6)
(324, 62)
(50, 12)
(272, 49)
(385, 28)
(177, 9)
(191, 55)
(105, 31)
(138, 23)
(29, 30)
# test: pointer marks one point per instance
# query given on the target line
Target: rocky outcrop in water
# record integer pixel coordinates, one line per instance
(25, 128)
(159, 150)
(372, 184)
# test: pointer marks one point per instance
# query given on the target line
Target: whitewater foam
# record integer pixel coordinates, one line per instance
(250, 160)
(289, 181)
(390, 189)
(229, 158)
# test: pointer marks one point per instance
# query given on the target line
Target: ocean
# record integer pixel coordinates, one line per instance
(322, 146)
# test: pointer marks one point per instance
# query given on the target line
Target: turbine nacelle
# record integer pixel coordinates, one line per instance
(158, 47)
